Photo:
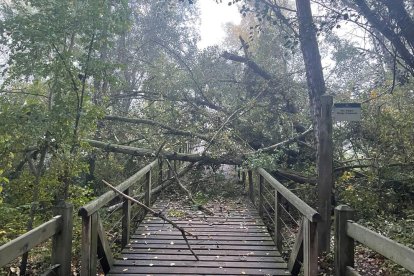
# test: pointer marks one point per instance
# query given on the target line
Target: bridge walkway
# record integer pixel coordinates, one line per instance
(233, 241)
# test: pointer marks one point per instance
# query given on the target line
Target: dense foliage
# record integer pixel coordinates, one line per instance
(70, 64)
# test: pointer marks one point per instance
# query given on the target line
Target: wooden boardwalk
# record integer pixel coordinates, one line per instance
(232, 242)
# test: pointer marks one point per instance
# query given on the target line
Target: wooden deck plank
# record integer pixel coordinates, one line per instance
(131, 270)
(209, 223)
(249, 258)
(213, 252)
(177, 240)
(168, 236)
(195, 246)
(232, 242)
(202, 233)
(206, 229)
(194, 263)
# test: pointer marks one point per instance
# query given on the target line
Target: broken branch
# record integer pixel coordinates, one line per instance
(160, 215)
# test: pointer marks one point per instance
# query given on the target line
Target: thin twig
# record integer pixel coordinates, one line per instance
(160, 215)
(283, 143)
(17, 91)
(80, 98)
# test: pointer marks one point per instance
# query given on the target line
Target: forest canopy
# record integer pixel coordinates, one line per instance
(92, 90)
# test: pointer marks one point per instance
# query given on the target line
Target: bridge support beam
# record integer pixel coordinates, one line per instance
(147, 188)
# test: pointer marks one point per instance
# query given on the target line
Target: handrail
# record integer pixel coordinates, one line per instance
(98, 203)
(305, 249)
(394, 251)
(310, 213)
(347, 231)
(59, 228)
(27, 241)
(94, 238)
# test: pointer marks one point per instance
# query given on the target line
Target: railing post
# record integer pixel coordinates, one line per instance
(169, 172)
(261, 182)
(251, 185)
(160, 172)
(244, 179)
(148, 188)
(310, 248)
(325, 167)
(344, 245)
(105, 256)
(62, 242)
(126, 219)
(89, 245)
(278, 224)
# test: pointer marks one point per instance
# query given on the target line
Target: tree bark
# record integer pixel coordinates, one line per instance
(229, 159)
(311, 57)
(295, 177)
(316, 88)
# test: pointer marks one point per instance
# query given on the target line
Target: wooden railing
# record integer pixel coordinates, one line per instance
(142, 185)
(59, 228)
(95, 243)
(347, 232)
(271, 198)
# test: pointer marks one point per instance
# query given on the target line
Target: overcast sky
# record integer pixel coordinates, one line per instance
(213, 19)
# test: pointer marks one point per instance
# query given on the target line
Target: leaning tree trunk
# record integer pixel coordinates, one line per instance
(311, 57)
(316, 88)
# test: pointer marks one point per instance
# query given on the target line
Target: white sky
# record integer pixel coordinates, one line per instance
(213, 19)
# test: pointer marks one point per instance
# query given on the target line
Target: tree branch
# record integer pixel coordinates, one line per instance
(382, 27)
(250, 63)
(172, 130)
(81, 97)
(283, 143)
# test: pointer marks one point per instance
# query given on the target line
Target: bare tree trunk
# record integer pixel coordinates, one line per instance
(316, 88)
(37, 172)
(311, 57)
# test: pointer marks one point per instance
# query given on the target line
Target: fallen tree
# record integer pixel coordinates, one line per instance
(188, 157)
(195, 157)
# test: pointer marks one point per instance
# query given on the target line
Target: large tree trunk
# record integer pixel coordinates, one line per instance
(311, 57)
(229, 159)
(316, 88)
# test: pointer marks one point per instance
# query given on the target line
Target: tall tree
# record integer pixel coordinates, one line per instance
(46, 94)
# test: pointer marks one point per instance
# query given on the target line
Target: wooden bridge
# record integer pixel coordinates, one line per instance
(230, 242)
(249, 237)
